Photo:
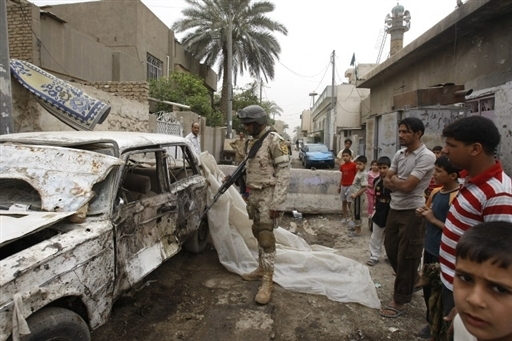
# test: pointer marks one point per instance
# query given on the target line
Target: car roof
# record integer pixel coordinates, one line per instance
(123, 140)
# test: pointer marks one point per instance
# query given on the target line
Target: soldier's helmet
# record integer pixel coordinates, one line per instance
(252, 114)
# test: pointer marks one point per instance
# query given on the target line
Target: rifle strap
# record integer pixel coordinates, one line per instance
(257, 145)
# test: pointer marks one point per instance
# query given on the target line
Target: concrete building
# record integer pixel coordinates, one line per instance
(99, 41)
(112, 46)
(467, 53)
(349, 107)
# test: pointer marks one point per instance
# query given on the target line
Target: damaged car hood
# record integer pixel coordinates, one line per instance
(63, 178)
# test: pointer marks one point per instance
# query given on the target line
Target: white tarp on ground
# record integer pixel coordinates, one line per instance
(299, 267)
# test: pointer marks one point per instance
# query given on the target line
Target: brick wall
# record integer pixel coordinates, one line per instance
(19, 25)
(138, 91)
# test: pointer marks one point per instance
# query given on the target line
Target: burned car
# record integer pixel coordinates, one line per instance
(85, 216)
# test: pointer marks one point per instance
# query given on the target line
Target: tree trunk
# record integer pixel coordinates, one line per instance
(224, 92)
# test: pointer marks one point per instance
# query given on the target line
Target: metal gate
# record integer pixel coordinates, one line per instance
(166, 123)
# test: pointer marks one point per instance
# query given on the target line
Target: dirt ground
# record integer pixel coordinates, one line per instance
(193, 297)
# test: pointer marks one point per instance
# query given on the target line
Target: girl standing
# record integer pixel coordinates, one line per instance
(373, 173)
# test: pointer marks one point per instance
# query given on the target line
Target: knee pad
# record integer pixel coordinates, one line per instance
(267, 241)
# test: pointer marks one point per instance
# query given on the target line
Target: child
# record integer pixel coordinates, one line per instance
(482, 286)
(437, 152)
(373, 173)
(348, 172)
(435, 212)
(381, 210)
(358, 188)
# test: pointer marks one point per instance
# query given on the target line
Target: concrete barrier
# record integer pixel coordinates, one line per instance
(310, 191)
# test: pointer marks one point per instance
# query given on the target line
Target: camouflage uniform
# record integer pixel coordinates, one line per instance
(239, 148)
(267, 176)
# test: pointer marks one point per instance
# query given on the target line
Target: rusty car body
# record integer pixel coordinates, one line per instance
(85, 216)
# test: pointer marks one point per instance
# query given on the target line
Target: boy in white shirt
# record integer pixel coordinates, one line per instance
(482, 286)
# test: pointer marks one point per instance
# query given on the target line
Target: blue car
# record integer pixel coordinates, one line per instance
(317, 155)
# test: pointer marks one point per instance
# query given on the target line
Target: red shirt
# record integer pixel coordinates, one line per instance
(485, 197)
(348, 173)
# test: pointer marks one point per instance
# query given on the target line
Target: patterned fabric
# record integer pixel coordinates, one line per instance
(67, 103)
(485, 197)
(438, 327)
(383, 197)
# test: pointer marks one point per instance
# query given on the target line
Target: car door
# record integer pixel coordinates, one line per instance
(145, 221)
(190, 186)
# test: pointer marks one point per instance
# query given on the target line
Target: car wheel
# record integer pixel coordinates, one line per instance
(196, 243)
(56, 324)
(306, 164)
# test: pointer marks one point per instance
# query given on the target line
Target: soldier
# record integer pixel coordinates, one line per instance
(267, 177)
(238, 146)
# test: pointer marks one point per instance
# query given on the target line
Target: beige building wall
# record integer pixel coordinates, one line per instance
(478, 60)
(305, 122)
(478, 56)
(77, 41)
(348, 106)
(22, 18)
(71, 54)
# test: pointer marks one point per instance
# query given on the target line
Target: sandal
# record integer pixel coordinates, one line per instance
(372, 262)
(396, 312)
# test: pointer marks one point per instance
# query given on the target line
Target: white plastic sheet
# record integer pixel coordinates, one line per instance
(299, 267)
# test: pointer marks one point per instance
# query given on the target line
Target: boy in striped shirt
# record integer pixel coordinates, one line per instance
(485, 196)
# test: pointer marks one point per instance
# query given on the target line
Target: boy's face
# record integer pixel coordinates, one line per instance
(458, 153)
(437, 153)
(383, 170)
(348, 144)
(483, 297)
(345, 157)
(360, 166)
(442, 177)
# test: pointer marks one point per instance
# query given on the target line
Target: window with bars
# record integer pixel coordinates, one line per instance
(155, 67)
(483, 106)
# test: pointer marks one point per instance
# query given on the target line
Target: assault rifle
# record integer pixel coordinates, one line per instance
(237, 176)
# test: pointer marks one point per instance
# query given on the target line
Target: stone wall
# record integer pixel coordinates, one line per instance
(137, 91)
(19, 24)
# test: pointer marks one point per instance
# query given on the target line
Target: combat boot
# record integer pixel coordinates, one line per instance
(265, 290)
(257, 274)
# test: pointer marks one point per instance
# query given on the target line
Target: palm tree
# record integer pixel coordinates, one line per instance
(254, 46)
(271, 108)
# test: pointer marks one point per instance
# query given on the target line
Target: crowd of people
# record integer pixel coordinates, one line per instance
(448, 208)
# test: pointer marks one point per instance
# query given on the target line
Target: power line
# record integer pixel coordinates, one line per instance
(298, 74)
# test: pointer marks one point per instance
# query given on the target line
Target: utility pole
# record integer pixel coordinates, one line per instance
(229, 72)
(261, 87)
(331, 115)
(6, 121)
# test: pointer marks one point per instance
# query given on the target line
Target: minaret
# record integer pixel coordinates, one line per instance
(396, 25)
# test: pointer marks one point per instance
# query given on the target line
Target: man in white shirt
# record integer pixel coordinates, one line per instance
(194, 137)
